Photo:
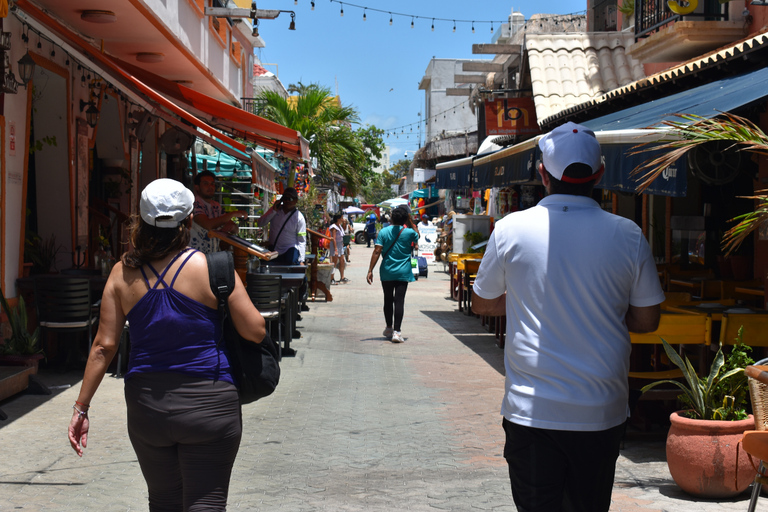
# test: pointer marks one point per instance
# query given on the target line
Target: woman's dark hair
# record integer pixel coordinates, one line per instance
(335, 218)
(399, 216)
(152, 243)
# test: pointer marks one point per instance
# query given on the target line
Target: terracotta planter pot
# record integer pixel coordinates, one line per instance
(705, 457)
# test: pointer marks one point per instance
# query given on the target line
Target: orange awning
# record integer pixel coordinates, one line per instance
(229, 118)
(251, 127)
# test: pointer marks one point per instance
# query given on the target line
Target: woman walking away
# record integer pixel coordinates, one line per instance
(183, 409)
(395, 270)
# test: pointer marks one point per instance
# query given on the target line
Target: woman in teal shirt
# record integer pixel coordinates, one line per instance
(395, 242)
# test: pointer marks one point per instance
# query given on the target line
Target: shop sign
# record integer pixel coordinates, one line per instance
(511, 116)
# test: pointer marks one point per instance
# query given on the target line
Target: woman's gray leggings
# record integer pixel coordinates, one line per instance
(186, 432)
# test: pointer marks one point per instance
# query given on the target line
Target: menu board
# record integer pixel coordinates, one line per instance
(241, 243)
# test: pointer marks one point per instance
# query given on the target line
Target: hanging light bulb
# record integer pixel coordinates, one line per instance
(454, 26)
(390, 18)
(411, 21)
(433, 24)
(364, 17)
(295, 2)
(473, 27)
(491, 27)
(342, 9)
(217, 169)
(313, 4)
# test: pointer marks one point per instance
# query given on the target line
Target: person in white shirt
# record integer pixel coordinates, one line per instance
(287, 229)
(209, 215)
(573, 280)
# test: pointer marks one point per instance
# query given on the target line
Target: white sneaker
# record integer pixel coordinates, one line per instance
(397, 337)
(388, 333)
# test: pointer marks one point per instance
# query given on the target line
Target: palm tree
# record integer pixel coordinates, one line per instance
(693, 131)
(325, 123)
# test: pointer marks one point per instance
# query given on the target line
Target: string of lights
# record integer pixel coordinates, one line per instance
(570, 21)
(406, 129)
(557, 18)
(89, 78)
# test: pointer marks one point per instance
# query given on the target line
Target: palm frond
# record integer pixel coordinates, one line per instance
(692, 131)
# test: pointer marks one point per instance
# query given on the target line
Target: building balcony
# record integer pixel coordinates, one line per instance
(664, 36)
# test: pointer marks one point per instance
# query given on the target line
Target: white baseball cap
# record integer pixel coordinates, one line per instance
(569, 144)
(165, 203)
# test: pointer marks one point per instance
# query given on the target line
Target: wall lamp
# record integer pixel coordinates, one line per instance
(26, 68)
(91, 113)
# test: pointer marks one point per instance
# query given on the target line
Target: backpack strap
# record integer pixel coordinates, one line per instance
(221, 274)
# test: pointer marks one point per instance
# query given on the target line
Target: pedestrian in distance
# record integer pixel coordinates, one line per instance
(573, 280)
(337, 246)
(394, 246)
(370, 229)
(184, 418)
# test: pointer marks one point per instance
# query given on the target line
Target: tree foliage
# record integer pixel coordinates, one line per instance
(325, 123)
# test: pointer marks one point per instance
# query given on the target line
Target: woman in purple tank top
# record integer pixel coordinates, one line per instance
(184, 417)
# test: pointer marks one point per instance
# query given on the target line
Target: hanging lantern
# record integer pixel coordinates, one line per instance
(26, 68)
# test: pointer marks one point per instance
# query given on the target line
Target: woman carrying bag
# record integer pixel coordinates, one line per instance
(184, 418)
(394, 247)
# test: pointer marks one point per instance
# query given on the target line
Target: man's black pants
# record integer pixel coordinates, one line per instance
(559, 470)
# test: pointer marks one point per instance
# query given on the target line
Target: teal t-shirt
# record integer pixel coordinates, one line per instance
(396, 265)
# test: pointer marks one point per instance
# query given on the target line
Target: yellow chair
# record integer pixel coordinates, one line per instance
(677, 329)
(755, 333)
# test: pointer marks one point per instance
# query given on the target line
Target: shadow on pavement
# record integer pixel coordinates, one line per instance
(26, 401)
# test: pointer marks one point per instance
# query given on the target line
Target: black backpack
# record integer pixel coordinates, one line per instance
(254, 366)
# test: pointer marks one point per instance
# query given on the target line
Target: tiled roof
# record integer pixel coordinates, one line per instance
(569, 69)
(258, 70)
(739, 50)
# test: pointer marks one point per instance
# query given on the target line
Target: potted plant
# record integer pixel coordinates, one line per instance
(704, 453)
(22, 348)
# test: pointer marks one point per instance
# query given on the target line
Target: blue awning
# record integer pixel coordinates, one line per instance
(508, 166)
(619, 161)
(455, 174)
(707, 100)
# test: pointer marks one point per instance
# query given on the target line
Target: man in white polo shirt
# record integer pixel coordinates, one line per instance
(573, 281)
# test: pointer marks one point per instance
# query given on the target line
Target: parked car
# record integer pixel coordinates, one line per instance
(359, 231)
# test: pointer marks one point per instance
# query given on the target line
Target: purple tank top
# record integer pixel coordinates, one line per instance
(172, 333)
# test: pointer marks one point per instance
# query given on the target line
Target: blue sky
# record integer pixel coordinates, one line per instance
(376, 67)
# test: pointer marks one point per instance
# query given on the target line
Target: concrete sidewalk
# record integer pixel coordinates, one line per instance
(357, 424)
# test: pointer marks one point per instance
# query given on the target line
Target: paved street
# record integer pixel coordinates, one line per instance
(357, 424)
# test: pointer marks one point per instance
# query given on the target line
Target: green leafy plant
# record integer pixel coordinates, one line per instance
(627, 7)
(722, 395)
(474, 238)
(21, 341)
(42, 252)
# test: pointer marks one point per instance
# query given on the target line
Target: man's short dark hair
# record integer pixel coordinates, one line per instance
(399, 216)
(199, 176)
(575, 170)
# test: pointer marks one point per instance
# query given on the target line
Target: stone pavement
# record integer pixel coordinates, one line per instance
(357, 424)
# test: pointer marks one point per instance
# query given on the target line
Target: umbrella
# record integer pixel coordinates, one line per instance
(353, 209)
(392, 203)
